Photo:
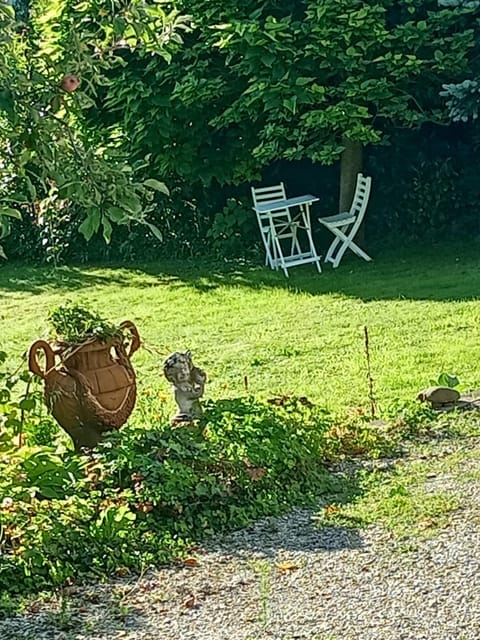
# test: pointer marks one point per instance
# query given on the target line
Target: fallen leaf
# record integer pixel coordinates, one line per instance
(256, 473)
(330, 509)
(284, 567)
(197, 550)
(279, 401)
(426, 523)
(145, 507)
(190, 601)
(191, 562)
(305, 401)
(149, 585)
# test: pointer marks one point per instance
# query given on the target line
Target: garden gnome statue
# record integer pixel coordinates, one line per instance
(188, 383)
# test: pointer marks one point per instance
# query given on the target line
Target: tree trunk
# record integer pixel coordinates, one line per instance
(351, 163)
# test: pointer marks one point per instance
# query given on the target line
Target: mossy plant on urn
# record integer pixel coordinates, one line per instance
(90, 384)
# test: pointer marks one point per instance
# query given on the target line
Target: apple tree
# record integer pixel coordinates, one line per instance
(56, 55)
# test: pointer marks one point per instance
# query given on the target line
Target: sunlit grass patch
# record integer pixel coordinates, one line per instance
(404, 500)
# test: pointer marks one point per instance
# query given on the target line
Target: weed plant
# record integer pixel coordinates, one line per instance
(73, 323)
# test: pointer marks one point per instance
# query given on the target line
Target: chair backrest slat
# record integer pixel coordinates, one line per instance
(262, 195)
(269, 194)
(360, 199)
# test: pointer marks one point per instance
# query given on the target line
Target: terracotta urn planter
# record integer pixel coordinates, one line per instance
(90, 388)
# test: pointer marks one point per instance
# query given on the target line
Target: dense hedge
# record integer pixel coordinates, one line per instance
(425, 188)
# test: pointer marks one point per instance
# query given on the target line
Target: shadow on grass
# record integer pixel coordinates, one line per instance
(444, 272)
(20, 278)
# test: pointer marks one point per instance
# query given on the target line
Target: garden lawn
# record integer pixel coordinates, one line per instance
(303, 335)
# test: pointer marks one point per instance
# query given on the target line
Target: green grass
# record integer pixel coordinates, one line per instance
(302, 335)
(414, 498)
(400, 502)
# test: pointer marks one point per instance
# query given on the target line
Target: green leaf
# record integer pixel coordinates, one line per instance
(119, 26)
(448, 380)
(85, 101)
(155, 230)
(131, 203)
(90, 225)
(302, 81)
(107, 229)
(7, 103)
(12, 213)
(157, 185)
(399, 490)
(17, 197)
(291, 104)
(27, 404)
(30, 188)
(7, 10)
(116, 214)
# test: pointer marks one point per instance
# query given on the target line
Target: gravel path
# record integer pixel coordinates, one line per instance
(285, 579)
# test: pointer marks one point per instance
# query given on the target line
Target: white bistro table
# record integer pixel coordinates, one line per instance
(278, 223)
(276, 205)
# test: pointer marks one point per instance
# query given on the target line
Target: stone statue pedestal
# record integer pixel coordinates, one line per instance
(188, 384)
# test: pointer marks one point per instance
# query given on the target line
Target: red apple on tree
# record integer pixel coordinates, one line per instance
(70, 83)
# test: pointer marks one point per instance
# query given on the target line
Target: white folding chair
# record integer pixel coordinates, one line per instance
(280, 228)
(345, 225)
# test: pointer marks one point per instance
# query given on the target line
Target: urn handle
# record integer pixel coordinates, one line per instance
(134, 339)
(34, 365)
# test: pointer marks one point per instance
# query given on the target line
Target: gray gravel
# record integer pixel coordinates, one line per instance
(332, 584)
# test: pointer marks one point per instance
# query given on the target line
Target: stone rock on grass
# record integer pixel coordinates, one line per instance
(438, 397)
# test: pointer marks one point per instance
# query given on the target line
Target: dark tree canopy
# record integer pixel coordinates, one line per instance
(102, 104)
(258, 82)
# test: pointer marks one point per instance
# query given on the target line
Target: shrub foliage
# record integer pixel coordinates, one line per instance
(211, 102)
(151, 491)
